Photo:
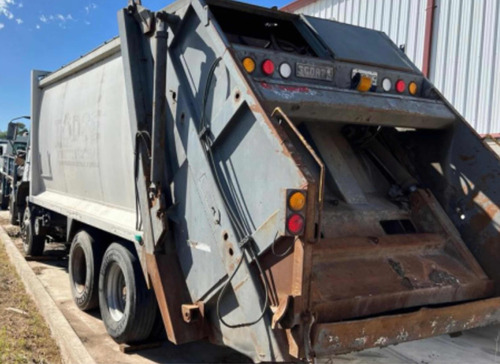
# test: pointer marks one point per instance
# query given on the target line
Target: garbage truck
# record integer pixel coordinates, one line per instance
(12, 165)
(291, 187)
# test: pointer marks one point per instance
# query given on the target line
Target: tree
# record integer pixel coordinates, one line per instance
(21, 128)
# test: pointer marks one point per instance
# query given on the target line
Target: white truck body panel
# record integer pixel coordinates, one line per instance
(77, 129)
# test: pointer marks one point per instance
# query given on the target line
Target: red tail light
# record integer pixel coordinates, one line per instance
(295, 224)
(268, 67)
(400, 86)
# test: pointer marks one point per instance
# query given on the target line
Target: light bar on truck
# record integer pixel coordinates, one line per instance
(296, 203)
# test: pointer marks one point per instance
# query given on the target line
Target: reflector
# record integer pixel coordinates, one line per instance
(386, 84)
(285, 70)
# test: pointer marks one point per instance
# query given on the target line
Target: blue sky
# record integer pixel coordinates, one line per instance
(46, 34)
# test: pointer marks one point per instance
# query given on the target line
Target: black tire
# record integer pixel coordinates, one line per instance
(4, 198)
(4, 202)
(127, 306)
(33, 245)
(158, 332)
(13, 209)
(85, 258)
(20, 215)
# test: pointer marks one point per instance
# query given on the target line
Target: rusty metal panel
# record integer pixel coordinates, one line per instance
(171, 294)
(344, 337)
(358, 276)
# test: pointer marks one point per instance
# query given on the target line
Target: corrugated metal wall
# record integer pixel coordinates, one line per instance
(402, 20)
(465, 52)
(465, 59)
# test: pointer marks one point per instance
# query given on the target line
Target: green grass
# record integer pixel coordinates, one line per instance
(23, 338)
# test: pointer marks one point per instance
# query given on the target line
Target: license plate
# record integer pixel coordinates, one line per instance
(304, 70)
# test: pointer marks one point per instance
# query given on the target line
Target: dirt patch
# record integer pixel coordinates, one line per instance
(13, 231)
(24, 335)
(38, 270)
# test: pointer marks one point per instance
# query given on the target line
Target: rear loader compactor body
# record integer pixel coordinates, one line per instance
(288, 186)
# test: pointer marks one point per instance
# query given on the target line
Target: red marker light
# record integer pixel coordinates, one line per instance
(295, 224)
(268, 67)
(400, 86)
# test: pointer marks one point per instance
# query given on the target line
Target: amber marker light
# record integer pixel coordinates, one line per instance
(361, 82)
(365, 84)
(248, 64)
(412, 88)
(297, 201)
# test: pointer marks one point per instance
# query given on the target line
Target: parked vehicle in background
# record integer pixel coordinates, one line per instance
(288, 186)
(3, 146)
(12, 165)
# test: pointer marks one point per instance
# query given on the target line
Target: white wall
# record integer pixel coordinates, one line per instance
(465, 62)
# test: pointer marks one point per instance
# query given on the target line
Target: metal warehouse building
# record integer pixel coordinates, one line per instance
(456, 43)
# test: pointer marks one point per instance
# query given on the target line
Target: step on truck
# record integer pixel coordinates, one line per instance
(288, 186)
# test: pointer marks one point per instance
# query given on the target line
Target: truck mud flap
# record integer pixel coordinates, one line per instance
(343, 337)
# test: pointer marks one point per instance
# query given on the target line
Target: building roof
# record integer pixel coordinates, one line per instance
(296, 4)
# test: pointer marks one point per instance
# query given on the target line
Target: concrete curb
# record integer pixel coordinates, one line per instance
(72, 349)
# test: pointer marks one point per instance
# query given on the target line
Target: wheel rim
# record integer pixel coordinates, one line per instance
(116, 292)
(79, 269)
(24, 228)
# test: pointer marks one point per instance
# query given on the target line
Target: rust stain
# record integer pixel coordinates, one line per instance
(486, 177)
(489, 212)
(240, 284)
(352, 277)
(294, 88)
(480, 221)
(163, 270)
(466, 157)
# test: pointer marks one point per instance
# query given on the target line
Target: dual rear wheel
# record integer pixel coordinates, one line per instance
(113, 280)
(14, 210)
(33, 240)
(4, 196)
